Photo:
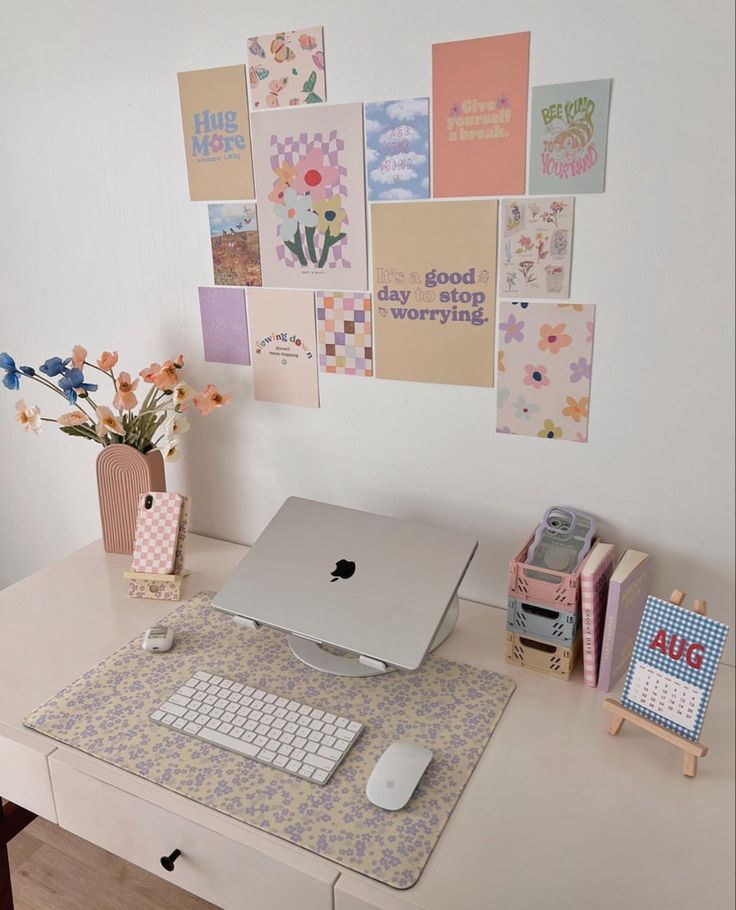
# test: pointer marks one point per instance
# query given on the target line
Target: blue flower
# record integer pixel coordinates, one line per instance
(72, 381)
(54, 365)
(11, 380)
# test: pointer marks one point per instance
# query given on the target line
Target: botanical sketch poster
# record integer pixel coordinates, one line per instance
(397, 149)
(214, 115)
(234, 241)
(569, 126)
(479, 108)
(309, 185)
(283, 346)
(545, 352)
(434, 280)
(287, 68)
(535, 247)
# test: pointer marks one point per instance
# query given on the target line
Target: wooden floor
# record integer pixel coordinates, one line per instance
(54, 870)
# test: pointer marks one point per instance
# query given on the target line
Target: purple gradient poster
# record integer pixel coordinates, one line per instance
(224, 325)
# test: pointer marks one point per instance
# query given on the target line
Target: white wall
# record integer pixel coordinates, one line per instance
(100, 245)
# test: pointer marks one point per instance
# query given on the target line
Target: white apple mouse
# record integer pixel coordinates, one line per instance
(396, 775)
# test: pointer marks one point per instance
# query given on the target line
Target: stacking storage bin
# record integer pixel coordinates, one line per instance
(554, 589)
(553, 660)
(527, 617)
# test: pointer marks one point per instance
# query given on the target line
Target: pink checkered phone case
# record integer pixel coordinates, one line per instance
(157, 531)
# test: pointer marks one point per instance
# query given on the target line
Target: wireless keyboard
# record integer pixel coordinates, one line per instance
(276, 731)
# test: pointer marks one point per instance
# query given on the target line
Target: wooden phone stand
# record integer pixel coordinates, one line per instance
(691, 751)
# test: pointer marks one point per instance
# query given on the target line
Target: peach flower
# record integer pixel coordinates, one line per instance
(147, 373)
(125, 400)
(552, 338)
(167, 377)
(107, 422)
(28, 418)
(79, 355)
(179, 362)
(182, 394)
(576, 409)
(108, 360)
(73, 419)
(210, 399)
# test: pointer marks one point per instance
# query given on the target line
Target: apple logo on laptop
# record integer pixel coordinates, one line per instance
(344, 568)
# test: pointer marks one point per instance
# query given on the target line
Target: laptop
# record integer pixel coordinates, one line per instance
(368, 584)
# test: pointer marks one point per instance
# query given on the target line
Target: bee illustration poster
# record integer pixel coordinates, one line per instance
(397, 149)
(480, 92)
(545, 353)
(311, 195)
(535, 247)
(434, 280)
(283, 346)
(234, 241)
(569, 125)
(286, 69)
(214, 115)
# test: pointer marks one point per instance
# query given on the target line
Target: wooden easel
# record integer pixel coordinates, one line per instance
(691, 751)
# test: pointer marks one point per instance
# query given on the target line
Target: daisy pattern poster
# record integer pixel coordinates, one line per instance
(545, 352)
(309, 186)
(286, 69)
(397, 149)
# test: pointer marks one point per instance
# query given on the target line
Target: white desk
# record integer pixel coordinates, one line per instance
(557, 813)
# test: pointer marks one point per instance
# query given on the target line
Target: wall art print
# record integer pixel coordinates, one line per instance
(236, 258)
(545, 353)
(224, 325)
(309, 185)
(345, 333)
(287, 68)
(397, 149)
(536, 247)
(569, 133)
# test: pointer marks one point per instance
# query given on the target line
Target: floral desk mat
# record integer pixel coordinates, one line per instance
(449, 707)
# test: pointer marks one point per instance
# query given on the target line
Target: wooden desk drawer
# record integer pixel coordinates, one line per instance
(24, 771)
(217, 863)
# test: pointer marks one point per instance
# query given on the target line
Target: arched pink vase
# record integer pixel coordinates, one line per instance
(123, 473)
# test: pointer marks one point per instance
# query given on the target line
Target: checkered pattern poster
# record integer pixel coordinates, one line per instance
(345, 333)
(673, 666)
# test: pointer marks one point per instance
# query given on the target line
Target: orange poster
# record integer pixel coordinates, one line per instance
(480, 91)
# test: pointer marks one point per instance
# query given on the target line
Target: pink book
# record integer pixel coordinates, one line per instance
(594, 578)
(627, 595)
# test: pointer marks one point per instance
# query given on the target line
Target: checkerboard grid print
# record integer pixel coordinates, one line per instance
(292, 148)
(157, 533)
(348, 356)
(686, 624)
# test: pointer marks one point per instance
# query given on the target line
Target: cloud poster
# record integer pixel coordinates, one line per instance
(214, 115)
(479, 111)
(434, 279)
(397, 149)
(283, 346)
(234, 241)
(569, 125)
(309, 174)
(287, 69)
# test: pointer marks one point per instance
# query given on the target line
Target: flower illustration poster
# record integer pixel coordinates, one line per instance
(434, 279)
(309, 175)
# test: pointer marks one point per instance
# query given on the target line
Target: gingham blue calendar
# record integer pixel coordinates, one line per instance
(673, 666)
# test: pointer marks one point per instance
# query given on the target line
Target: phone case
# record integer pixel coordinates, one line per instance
(157, 533)
(562, 540)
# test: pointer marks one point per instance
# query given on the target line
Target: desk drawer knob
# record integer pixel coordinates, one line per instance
(168, 861)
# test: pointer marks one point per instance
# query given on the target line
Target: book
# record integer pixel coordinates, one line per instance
(594, 578)
(627, 595)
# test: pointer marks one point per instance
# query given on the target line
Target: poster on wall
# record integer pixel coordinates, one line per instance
(224, 325)
(545, 353)
(214, 115)
(283, 346)
(479, 109)
(287, 69)
(234, 241)
(569, 134)
(345, 333)
(397, 149)
(434, 280)
(535, 247)
(311, 195)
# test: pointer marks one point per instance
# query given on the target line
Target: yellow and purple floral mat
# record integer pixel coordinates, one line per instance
(449, 707)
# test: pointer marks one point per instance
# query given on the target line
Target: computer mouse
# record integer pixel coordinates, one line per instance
(396, 775)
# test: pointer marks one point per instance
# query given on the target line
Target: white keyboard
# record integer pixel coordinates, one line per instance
(276, 731)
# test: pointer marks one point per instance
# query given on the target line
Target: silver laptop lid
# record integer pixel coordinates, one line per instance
(365, 583)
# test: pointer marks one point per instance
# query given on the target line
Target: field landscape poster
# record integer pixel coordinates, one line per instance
(234, 240)
(434, 280)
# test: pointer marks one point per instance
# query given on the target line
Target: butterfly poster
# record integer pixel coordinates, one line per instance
(569, 125)
(479, 109)
(234, 241)
(311, 197)
(286, 69)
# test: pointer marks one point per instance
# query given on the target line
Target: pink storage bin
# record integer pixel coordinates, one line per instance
(558, 589)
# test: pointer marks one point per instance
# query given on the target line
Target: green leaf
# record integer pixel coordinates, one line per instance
(294, 72)
(311, 82)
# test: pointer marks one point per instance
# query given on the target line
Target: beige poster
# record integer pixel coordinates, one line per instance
(434, 280)
(214, 115)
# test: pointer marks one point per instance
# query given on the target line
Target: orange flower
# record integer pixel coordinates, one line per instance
(107, 361)
(179, 362)
(107, 422)
(166, 377)
(79, 355)
(553, 338)
(125, 400)
(576, 410)
(210, 399)
(147, 373)
(73, 419)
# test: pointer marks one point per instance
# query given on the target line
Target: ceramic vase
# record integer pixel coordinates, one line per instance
(123, 473)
